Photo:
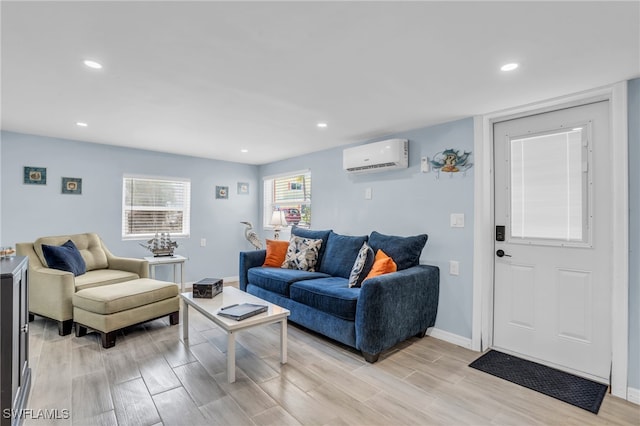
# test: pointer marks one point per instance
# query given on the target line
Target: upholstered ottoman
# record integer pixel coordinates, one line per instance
(110, 308)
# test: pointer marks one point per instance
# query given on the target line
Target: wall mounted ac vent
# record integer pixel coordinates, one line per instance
(377, 157)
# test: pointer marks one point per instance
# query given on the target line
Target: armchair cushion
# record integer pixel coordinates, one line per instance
(89, 246)
(64, 258)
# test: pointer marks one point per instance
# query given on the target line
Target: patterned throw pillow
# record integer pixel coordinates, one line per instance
(361, 266)
(302, 254)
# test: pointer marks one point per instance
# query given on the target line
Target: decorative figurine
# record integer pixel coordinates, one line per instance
(252, 236)
(161, 245)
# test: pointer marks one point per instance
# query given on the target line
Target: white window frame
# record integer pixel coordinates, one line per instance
(267, 196)
(185, 207)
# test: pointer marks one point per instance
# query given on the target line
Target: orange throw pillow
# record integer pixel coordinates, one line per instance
(276, 253)
(382, 264)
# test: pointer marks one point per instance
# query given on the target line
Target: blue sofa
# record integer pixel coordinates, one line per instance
(382, 312)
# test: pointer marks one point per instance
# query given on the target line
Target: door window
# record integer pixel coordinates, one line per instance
(549, 187)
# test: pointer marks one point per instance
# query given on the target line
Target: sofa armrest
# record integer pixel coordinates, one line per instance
(50, 293)
(129, 264)
(248, 260)
(393, 307)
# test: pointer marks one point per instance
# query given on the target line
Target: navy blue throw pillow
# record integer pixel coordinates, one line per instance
(65, 258)
(341, 254)
(405, 251)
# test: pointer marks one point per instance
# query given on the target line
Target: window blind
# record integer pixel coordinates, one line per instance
(291, 194)
(155, 205)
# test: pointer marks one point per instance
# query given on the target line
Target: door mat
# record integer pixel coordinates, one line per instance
(578, 391)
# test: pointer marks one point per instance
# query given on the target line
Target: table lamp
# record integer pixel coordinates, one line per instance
(277, 221)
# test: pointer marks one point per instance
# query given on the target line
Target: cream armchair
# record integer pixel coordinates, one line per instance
(51, 290)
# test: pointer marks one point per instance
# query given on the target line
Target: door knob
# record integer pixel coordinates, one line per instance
(501, 253)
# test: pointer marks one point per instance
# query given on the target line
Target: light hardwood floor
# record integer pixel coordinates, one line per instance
(151, 378)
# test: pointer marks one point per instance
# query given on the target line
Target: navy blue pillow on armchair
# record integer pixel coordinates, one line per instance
(65, 258)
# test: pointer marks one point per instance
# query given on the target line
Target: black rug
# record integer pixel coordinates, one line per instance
(582, 393)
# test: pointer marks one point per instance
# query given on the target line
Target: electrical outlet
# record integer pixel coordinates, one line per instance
(454, 267)
(203, 242)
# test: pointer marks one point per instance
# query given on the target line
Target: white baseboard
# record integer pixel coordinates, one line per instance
(449, 337)
(633, 395)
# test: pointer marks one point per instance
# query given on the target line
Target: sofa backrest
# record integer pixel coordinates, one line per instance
(89, 245)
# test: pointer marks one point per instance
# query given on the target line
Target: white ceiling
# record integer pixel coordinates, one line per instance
(210, 78)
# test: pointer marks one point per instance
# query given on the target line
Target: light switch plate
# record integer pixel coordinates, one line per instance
(457, 220)
(367, 194)
(454, 267)
(424, 165)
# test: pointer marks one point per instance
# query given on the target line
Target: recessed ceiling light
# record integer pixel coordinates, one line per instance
(322, 125)
(81, 124)
(93, 64)
(244, 150)
(509, 67)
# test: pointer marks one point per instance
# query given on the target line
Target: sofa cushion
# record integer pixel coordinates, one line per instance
(382, 264)
(405, 251)
(314, 235)
(331, 295)
(340, 254)
(361, 266)
(64, 258)
(89, 246)
(278, 280)
(276, 253)
(101, 277)
(302, 254)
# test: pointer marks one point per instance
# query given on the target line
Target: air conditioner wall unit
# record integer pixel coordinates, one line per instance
(377, 157)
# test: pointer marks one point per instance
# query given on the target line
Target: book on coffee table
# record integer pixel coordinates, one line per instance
(242, 311)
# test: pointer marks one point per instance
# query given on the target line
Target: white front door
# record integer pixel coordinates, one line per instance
(553, 216)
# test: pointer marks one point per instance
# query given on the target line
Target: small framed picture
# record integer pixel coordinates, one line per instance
(222, 192)
(243, 188)
(35, 175)
(71, 185)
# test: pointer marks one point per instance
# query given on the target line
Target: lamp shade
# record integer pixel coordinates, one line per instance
(278, 219)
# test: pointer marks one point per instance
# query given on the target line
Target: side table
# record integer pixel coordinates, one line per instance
(174, 260)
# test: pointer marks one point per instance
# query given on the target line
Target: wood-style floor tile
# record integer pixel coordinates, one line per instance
(152, 378)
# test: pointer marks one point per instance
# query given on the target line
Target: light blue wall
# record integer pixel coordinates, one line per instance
(32, 211)
(404, 202)
(634, 233)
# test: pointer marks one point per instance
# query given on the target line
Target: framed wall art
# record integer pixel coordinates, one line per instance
(222, 192)
(35, 175)
(243, 188)
(71, 185)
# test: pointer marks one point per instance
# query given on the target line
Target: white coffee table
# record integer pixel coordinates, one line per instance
(230, 296)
